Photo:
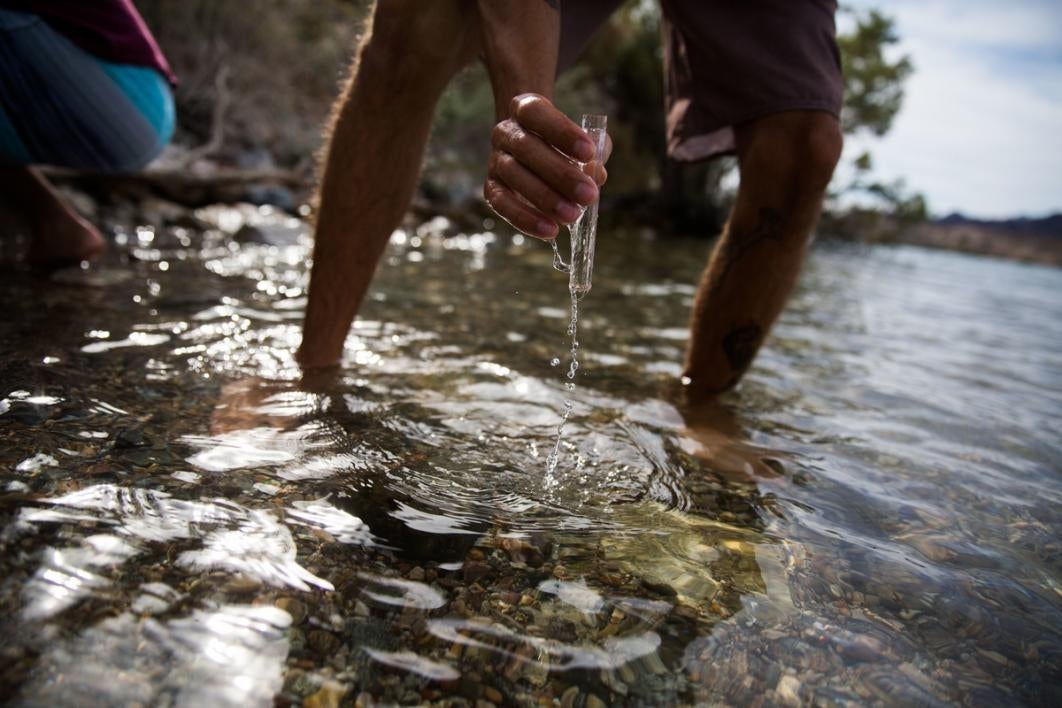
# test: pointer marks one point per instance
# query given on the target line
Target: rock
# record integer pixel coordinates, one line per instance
(537, 672)
(493, 695)
(258, 158)
(128, 438)
(475, 571)
(416, 574)
(273, 194)
(270, 233)
(562, 629)
(293, 607)
(322, 642)
(156, 212)
(328, 696)
(149, 605)
(592, 701)
(299, 684)
(240, 585)
(520, 551)
(860, 647)
(788, 690)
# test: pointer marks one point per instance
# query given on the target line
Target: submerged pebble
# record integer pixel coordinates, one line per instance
(388, 537)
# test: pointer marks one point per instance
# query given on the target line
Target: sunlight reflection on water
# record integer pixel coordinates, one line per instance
(873, 517)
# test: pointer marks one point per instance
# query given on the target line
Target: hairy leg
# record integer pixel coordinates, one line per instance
(60, 235)
(378, 133)
(786, 161)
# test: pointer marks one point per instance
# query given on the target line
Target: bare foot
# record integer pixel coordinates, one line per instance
(63, 238)
(60, 235)
(715, 436)
(250, 403)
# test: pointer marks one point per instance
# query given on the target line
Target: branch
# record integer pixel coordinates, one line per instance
(217, 122)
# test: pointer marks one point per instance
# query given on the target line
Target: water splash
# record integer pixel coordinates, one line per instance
(573, 367)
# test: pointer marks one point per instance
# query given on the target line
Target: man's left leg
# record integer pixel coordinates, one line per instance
(786, 161)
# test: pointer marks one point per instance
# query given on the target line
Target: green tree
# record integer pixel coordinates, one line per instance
(625, 61)
(873, 84)
(874, 92)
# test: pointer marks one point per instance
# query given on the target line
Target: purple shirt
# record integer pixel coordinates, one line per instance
(112, 30)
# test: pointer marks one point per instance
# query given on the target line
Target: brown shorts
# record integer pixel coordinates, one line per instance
(728, 62)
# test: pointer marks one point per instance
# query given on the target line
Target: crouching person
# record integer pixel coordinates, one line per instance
(82, 86)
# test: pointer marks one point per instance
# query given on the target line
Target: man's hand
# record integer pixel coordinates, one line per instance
(533, 181)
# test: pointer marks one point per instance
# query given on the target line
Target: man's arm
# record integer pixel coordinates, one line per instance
(381, 125)
(530, 183)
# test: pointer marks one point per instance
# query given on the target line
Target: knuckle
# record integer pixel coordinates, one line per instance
(507, 135)
(504, 162)
(523, 102)
(497, 134)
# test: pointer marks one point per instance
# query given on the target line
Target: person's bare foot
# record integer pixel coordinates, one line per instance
(60, 235)
(713, 434)
(64, 238)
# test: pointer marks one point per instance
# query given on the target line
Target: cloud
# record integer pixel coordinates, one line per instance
(980, 129)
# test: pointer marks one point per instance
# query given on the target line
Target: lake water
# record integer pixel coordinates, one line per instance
(872, 518)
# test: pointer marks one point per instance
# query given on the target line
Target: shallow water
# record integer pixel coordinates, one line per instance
(872, 518)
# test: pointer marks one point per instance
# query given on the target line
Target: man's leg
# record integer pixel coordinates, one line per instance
(786, 161)
(378, 134)
(59, 233)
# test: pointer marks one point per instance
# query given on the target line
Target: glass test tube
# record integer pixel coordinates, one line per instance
(584, 229)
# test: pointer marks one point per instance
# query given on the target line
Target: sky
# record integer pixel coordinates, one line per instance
(981, 127)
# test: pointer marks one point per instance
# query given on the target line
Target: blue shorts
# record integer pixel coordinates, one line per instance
(60, 105)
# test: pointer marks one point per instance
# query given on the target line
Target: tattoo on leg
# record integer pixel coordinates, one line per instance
(737, 243)
(769, 227)
(740, 345)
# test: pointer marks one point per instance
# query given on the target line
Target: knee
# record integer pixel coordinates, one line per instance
(818, 145)
(802, 146)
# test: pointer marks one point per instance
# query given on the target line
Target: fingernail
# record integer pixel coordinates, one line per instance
(585, 193)
(545, 228)
(584, 150)
(567, 212)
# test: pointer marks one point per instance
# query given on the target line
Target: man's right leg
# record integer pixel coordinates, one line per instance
(378, 133)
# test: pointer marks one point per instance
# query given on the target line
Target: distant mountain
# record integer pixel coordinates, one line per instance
(1042, 226)
(1036, 240)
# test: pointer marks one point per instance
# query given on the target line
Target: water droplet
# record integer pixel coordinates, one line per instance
(555, 362)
